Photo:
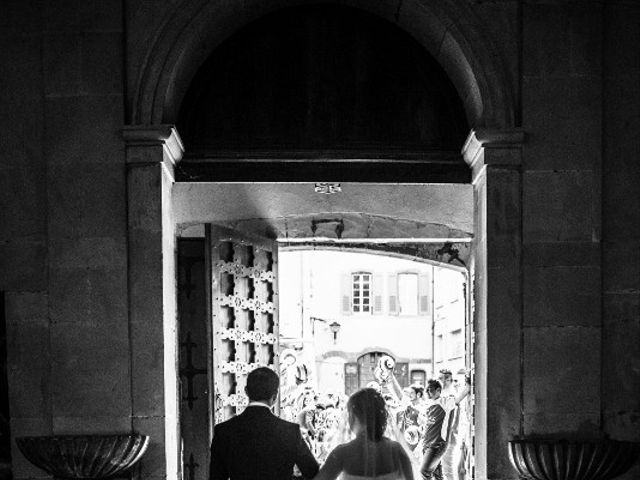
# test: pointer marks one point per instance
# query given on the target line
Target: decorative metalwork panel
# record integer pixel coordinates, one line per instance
(244, 271)
(242, 368)
(328, 188)
(235, 400)
(244, 315)
(242, 303)
(252, 336)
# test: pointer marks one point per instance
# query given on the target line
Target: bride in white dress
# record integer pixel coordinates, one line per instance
(370, 455)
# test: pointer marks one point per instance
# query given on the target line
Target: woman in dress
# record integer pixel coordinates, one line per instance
(370, 455)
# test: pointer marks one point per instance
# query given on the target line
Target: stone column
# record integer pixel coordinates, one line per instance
(151, 154)
(562, 113)
(495, 157)
(621, 227)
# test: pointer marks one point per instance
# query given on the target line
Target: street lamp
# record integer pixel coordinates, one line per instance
(335, 328)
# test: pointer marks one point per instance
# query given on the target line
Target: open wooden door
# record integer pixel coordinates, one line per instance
(468, 466)
(243, 317)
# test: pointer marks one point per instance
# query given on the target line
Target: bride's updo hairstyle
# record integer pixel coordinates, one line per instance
(369, 408)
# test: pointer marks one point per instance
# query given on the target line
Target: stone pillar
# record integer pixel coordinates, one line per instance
(562, 208)
(621, 226)
(151, 154)
(495, 158)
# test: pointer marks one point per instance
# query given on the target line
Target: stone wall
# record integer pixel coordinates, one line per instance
(68, 87)
(23, 224)
(63, 230)
(562, 112)
(621, 224)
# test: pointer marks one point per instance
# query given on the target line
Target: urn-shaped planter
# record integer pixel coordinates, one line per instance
(84, 456)
(547, 459)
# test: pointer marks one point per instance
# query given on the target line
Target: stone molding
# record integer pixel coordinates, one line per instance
(481, 140)
(149, 136)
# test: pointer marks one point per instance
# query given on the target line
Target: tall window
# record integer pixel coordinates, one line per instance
(457, 343)
(439, 348)
(408, 293)
(361, 292)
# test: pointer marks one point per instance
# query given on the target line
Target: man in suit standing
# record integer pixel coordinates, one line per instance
(257, 445)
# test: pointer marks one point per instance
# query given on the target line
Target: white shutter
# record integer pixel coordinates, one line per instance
(377, 282)
(392, 284)
(424, 294)
(345, 294)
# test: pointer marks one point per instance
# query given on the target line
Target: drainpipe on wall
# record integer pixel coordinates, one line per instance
(433, 322)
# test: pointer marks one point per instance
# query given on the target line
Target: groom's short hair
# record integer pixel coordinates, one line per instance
(262, 384)
(434, 385)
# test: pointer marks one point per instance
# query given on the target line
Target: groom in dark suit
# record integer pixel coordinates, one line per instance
(257, 445)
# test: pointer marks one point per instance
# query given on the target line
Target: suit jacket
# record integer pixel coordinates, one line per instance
(257, 445)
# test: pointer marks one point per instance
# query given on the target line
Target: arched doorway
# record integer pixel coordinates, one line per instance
(450, 31)
(315, 87)
(366, 368)
(281, 211)
(164, 80)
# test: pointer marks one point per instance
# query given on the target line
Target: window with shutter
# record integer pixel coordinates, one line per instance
(377, 304)
(361, 292)
(424, 292)
(439, 348)
(392, 285)
(457, 344)
(345, 304)
(408, 293)
(377, 289)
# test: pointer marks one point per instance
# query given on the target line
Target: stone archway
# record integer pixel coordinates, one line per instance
(455, 38)
(496, 266)
(450, 31)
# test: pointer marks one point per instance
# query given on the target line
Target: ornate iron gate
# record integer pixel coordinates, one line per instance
(244, 318)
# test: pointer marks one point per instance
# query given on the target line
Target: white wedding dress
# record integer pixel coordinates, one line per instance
(366, 458)
(388, 476)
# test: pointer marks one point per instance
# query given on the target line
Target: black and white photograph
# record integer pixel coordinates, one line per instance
(320, 240)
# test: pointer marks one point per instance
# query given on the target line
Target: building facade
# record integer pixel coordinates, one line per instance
(375, 304)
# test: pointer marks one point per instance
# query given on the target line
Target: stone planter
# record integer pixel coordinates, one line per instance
(544, 459)
(84, 456)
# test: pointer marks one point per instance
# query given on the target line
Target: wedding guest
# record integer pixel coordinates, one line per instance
(450, 401)
(409, 416)
(433, 442)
